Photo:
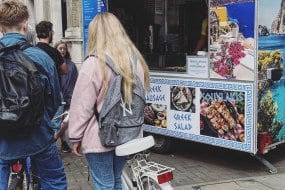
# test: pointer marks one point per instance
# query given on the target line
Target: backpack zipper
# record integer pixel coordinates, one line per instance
(117, 128)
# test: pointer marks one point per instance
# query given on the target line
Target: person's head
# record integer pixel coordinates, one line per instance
(44, 30)
(61, 46)
(14, 17)
(106, 29)
(106, 35)
(31, 35)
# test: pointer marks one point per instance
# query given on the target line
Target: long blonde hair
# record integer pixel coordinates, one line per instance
(107, 36)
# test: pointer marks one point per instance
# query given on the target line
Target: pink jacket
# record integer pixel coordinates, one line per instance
(83, 125)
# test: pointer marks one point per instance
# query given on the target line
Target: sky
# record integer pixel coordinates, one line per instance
(268, 10)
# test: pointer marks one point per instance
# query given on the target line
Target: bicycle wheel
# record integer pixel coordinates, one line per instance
(16, 182)
(150, 184)
(162, 145)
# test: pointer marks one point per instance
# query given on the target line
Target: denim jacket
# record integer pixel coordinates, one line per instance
(42, 136)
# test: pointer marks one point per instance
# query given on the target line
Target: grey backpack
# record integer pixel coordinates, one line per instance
(120, 123)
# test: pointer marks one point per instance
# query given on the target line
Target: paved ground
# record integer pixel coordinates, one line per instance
(201, 167)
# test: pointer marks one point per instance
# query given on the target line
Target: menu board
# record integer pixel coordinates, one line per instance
(217, 113)
(198, 66)
(159, 7)
(90, 8)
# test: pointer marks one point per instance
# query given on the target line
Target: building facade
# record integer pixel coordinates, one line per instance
(66, 17)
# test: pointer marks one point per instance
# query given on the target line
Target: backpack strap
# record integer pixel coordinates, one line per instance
(96, 113)
(1, 45)
(25, 45)
(110, 63)
(91, 55)
(22, 46)
(9, 48)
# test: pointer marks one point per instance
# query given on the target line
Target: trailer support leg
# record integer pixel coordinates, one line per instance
(267, 164)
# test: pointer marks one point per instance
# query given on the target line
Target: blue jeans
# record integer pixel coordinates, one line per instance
(47, 165)
(106, 170)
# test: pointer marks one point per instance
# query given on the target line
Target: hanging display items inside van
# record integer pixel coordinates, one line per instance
(232, 39)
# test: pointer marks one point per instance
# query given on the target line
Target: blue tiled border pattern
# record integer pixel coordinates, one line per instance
(246, 146)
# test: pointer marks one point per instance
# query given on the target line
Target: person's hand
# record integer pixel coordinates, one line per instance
(76, 146)
(61, 131)
(55, 136)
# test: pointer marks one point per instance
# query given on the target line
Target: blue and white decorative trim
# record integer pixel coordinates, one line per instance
(247, 88)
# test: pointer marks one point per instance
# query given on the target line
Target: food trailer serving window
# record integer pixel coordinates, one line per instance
(165, 31)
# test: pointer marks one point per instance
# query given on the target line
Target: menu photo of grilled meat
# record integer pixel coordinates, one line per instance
(155, 114)
(223, 120)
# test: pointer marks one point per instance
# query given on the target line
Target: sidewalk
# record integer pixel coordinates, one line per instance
(268, 182)
(200, 167)
(77, 174)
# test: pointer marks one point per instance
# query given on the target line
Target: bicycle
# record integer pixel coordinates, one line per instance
(140, 173)
(22, 177)
(21, 174)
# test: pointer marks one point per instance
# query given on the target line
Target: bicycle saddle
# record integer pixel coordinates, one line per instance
(135, 146)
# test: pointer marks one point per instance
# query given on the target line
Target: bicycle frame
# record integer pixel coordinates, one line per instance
(146, 173)
(16, 176)
(21, 175)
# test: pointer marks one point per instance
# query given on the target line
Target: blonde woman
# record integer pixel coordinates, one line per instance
(106, 36)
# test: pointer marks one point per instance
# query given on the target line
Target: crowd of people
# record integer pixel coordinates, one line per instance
(80, 92)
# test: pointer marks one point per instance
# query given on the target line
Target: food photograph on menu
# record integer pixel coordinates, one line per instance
(182, 99)
(232, 39)
(155, 114)
(222, 114)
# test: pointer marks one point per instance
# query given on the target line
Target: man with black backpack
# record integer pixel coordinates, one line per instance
(29, 98)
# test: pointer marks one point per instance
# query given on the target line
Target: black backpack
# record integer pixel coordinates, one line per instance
(21, 95)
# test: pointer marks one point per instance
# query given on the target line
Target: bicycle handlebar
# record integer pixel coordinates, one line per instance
(62, 115)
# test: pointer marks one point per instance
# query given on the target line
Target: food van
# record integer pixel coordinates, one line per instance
(228, 94)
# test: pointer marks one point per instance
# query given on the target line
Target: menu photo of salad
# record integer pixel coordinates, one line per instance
(182, 98)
